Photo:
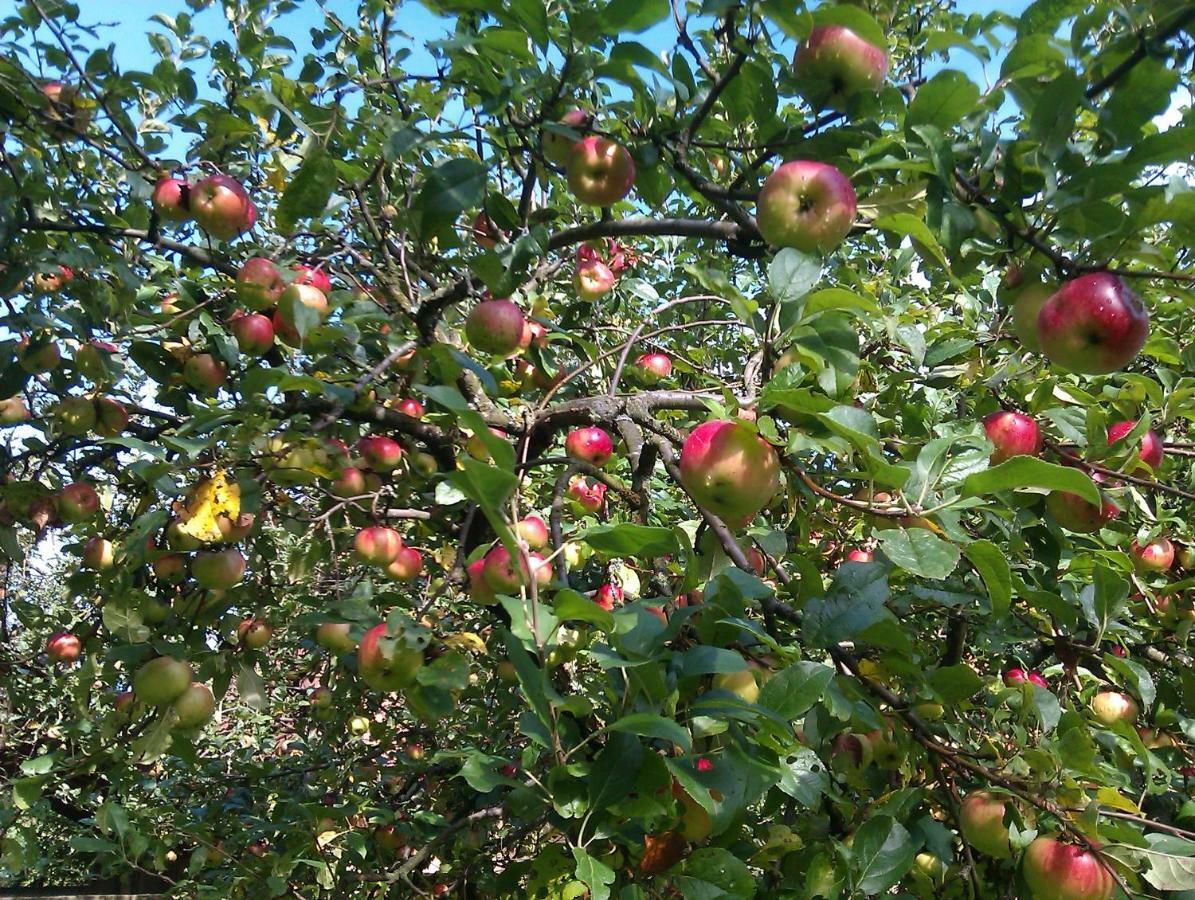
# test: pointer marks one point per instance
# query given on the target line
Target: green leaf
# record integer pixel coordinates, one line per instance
(706, 660)
(310, 188)
(943, 101)
(907, 224)
(992, 565)
(714, 872)
(452, 187)
(615, 770)
(920, 552)
(597, 875)
(570, 606)
(805, 778)
(1054, 117)
(792, 691)
(627, 539)
(856, 19)
(955, 683)
(655, 726)
(1031, 472)
(882, 853)
(1171, 862)
(621, 16)
(125, 622)
(251, 687)
(792, 274)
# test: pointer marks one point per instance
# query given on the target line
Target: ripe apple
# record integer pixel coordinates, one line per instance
(600, 171)
(495, 327)
(1074, 513)
(833, 64)
(62, 646)
(221, 206)
(409, 406)
(479, 589)
(1152, 448)
(336, 637)
(1013, 434)
(586, 493)
(13, 410)
(741, 683)
(406, 565)
(380, 453)
(386, 665)
(111, 417)
(1093, 324)
(123, 704)
(259, 284)
(485, 232)
(652, 367)
(377, 545)
(204, 373)
(233, 531)
(254, 333)
(1110, 707)
(98, 554)
(1018, 676)
(218, 570)
(1061, 871)
(860, 555)
(296, 297)
(170, 567)
(75, 415)
(533, 333)
(38, 357)
(194, 706)
(316, 277)
(807, 205)
(590, 444)
(533, 531)
(500, 573)
(77, 502)
(1025, 310)
(556, 147)
(254, 632)
(349, 483)
(161, 681)
(608, 596)
(592, 279)
(850, 751)
(1153, 556)
(729, 470)
(51, 282)
(171, 199)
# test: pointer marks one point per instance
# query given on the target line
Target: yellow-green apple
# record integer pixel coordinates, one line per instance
(171, 199)
(161, 681)
(194, 706)
(507, 672)
(254, 333)
(254, 632)
(301, 296)
(379, 452)
(1093, 324)
(586, 493)
(981, 817)
(600, 171)
(592, 279)
(729, 470)
(336, 637)
(98, 554)
(221, 206)
(495, 327)
(387, 664)
(1025, 310)
(218, 570)
(13, 410)
(652, 367)
(833, 64)
(1152, 556)
(506, 575)
(111, 418)
(170, 567)
(556, 147)
(38, 356)
(377, 545)
(349, 483)
(608, 596)
(1151, 450)
(695, 822)
(75, 415)
(1055, 870)
(177, 539)
(406, 565)
(1111, 707)
(62, 646)
(259, 284)
(204, 373)
(77, 502)
(741, 683)
(807, 205)
(1012, 434)
(589, 444)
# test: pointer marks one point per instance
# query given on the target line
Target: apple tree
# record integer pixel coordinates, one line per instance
(620, 449)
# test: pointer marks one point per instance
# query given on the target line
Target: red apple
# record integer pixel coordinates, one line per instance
(221, 206)
(39, 356)
(485, 232)
(533, 531)
(729, 470)
(377, 545)
(77, 502)
(807, 205)
(858, 554)
(556, 147)
(111, 417)
(600, 171)
(13, 410)
(652, 367)
(1152, 448)
(254, 632)
(1013, 434)
(1093, 324)
(349, 483)
(171, 199)
(608, 596)
(981, 816)
(218, 570)
(161, 681)
(756, 560)
(590, 444)
(316, 277)
(204, 373)
(335, 636)
(298, 297)
(592, 279)
(380, 453)
(194, 706)
(254, 333)
(504, 575)
(386, 665)
(1074, 513)
(1061, 871)
(62, 646)
(170, 567)
(259, 283)
(479, 589)
(98, 554)
(409, 406)
(586, 493)
(406, 565)
(1111, 707)
(833, 64)
(1153, 556)
(495, 327)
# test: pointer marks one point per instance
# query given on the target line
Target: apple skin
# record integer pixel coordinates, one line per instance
(590, 444)
(741, 683)
(406, 565)
(1152, 448)
(1025, 309)
(981, 817)
(729, 470)
(1093, 325)
(1110, 707)
(98, 554)
(194, 706)
(556, 147)
(834, 64)
(500, 573)
(377, 545)
(254, 333)
(851, 751)
(13, 410)
(386, 671)
(806, 205)
(64, 105)
(75, 416)
(317, 278)
(111, 417)
(859, 555)
(77, 502)
(495, 327)
(588, 496)
(485, 232)
(259, 284)
(51, 282)
(409, 406)
(1058, 871)
(608, 596)
(1074, 513)
(349, 483)
(297, 295)
(38, 358)
(170, 567)
(218, 570)
(336, 637)
(1154, 556)
(380, 453)
(592, 279)
(479, 589)
(161, 681)
(653, 367)
(204, 373)
(600, 171)
(221, 206)
(1013, 434)
(171, 199)
(533, 531)
(62, 646)
(254, 633)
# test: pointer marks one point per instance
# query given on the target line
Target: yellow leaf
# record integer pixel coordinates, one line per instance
(209, 501)
(467, 641)
(1108, 797)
